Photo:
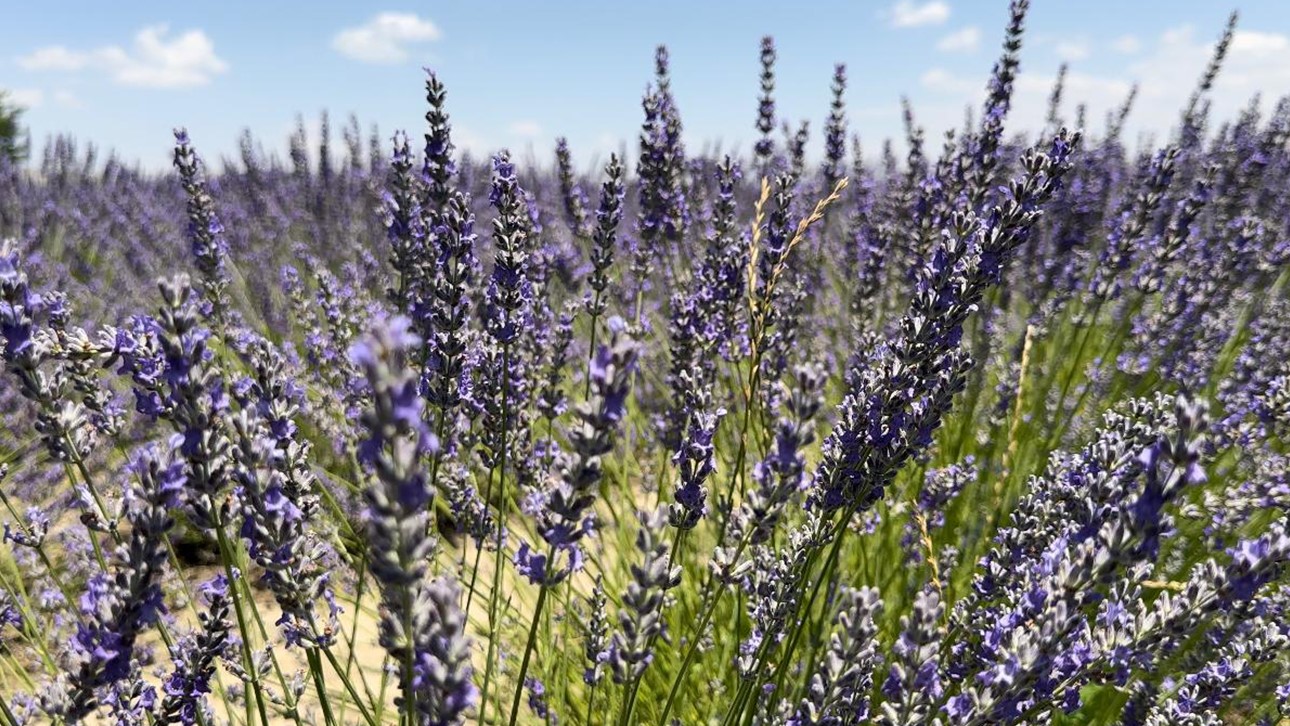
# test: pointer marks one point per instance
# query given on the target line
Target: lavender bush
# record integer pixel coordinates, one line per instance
(995, 434)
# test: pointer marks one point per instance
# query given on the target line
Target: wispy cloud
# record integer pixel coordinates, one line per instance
(385, 38)
(66, 99)
(1126, 44)
(54, 58)
(910, 14)
(467, 139)
(1072, 50)
(37, 97)
(961, 41)
(27, 97)
(943, 81)
(153, 61)
(1255, 43)
(526, 128)
(1255, 63)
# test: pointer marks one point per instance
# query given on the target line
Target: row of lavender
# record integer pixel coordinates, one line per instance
(990, 435)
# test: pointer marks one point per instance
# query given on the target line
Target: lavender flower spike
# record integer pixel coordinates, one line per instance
(641, 617)
(421, 626)
(205, 232)
(117, 608)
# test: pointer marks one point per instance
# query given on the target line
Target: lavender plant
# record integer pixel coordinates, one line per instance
(989, 429)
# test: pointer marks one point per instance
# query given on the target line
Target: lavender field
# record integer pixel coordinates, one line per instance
(988, 428)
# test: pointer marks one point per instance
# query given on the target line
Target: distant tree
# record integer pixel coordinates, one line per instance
(12, 144)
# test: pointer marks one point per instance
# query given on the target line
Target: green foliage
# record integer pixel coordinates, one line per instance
(13, 144)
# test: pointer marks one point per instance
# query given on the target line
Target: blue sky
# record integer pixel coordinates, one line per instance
(521, 73)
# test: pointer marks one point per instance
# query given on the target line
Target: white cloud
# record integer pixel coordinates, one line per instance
(943, 81)
(1254, 43)
(66, 99)
(1127, 44)
(36, 97)
(1255, 64)
(607, 142)
(27, 97)
(1033, 90)
(526, 128)
(54, 58)
(468, 140)
(961, 41)
(153, 61)
(1072, 50)
(385, 38)
(187, 60)
(910, 14)
(1030, 96)
(1165, 69)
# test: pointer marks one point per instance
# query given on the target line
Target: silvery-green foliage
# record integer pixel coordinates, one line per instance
(996, 433)
(641, 618)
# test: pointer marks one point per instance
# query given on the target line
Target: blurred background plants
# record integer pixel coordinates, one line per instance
(993, 433)
(13, 143)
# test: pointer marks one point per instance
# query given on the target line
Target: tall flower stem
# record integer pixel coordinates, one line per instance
(735, 714)
(248, 661)
(349, 686)
(315, 670)
(711, 598)
(503, 506)
(635, 685)
(799, 623)
(479, 548)
(528, 645)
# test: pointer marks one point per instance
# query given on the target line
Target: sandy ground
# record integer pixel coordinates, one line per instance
(356, 650)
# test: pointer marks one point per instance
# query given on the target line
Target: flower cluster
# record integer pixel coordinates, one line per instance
(989, 428)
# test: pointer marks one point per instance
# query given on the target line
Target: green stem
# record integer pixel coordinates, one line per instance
(528, 646)
(502, 510)
(561, 651)
(349, 686)
(1076, 367)
(479, 548)
(350, 639)
(248, 661)
(264, 634)
(315, 669)
(407, 705)
(586, 390)
(385, 684)
(635, 685)
(689, 657)
(826, 574)
(736, 710)
(591, 700)
(711, 598)
(8, 715)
